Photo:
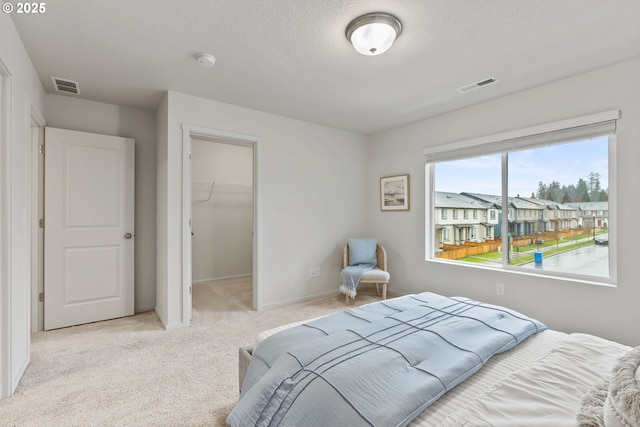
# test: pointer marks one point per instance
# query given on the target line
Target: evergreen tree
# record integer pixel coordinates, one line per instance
(594, 186)
(582, 191)
(589, 190)
(553, 192)
(542, 191)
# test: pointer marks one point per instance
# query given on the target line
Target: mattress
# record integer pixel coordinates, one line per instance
(539, 382)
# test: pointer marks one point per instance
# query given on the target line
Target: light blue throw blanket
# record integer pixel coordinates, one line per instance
(350, 277)
(377, 365)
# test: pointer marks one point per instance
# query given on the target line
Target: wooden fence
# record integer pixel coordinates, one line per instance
(468, 249)
(477, 248)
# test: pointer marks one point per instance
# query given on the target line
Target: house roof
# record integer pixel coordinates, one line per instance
(291, 57)
(455, 200)
(550, 204)
(590, 206)
(488, 198)
(520, 203)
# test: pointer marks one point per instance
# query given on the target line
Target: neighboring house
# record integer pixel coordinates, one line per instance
(557, 216)
(495, 211)
(592, 213)
(526, 215)
(460, 218)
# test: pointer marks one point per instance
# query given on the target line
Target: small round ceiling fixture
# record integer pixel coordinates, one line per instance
(373, 33)
(206, 60)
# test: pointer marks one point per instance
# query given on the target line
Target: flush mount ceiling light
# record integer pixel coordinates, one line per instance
(206, 60)
(373, 33)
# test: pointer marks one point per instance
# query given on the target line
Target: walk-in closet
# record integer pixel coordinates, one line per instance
(221, 213)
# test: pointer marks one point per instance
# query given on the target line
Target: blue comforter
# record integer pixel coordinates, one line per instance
(376, 365)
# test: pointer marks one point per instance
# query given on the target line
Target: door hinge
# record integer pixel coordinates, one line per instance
(189, 156)
(41, 223)
(189, 290)
(41, 149)
(41, 297)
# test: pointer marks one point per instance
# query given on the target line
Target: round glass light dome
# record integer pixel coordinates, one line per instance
(374, 33)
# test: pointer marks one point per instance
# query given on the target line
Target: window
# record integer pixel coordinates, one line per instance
(547, 192)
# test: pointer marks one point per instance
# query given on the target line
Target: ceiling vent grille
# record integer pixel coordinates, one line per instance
(65, 86)
(477, 85)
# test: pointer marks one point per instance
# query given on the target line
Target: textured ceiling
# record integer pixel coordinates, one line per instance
(291, 57)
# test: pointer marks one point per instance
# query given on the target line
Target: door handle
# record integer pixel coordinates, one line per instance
(128, 236)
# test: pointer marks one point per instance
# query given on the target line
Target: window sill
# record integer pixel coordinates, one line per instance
(606, 282)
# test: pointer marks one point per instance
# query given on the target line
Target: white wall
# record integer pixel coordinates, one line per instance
(564, 305)
(78, 114)
(222, 245)
(310, 199)
(162, 251)
(15, 196)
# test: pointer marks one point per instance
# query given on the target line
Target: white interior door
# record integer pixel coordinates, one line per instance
(89, 219)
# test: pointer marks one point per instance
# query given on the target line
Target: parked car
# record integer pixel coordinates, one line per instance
(602, 239)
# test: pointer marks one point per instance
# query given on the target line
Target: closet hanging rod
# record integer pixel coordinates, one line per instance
(211, 186)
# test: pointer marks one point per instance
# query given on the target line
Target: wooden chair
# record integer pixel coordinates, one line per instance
(377, 276)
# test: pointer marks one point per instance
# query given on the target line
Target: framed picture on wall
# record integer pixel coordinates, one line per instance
(394, 193)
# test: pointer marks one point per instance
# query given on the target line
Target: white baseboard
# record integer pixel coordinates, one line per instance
(297, 300)
(214, 279)
(144, 309)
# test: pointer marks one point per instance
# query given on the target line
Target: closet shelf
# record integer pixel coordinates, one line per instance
(207, 188)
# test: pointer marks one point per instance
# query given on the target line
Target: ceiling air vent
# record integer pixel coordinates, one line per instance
(477, 85)
(65, 86)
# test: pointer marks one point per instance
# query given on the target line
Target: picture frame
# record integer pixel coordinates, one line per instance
(394, 193)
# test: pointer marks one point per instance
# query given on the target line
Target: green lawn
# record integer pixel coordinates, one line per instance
(525, 258)
(482, 258)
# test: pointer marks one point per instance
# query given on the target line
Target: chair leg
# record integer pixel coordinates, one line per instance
(377, 289)
(384, 291)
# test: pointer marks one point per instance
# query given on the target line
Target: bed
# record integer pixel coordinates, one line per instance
(385, 364)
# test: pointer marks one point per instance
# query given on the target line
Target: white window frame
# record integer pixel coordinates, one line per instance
(563, 131)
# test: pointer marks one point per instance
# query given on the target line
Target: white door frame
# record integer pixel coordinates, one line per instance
(188, 132)
(36, 136)
(6, 386)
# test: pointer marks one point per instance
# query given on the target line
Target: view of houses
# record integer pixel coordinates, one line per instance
(472, 219)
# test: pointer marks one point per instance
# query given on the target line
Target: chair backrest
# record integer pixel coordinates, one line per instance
(381, 255)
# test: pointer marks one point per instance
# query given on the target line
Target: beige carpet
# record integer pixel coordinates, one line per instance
(132, 372)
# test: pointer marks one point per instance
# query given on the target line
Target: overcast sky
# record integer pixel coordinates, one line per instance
(564, 163)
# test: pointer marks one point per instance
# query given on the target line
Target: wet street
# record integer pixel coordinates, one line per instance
(591, 260)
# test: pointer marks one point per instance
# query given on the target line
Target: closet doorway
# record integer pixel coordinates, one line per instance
(222, 221)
